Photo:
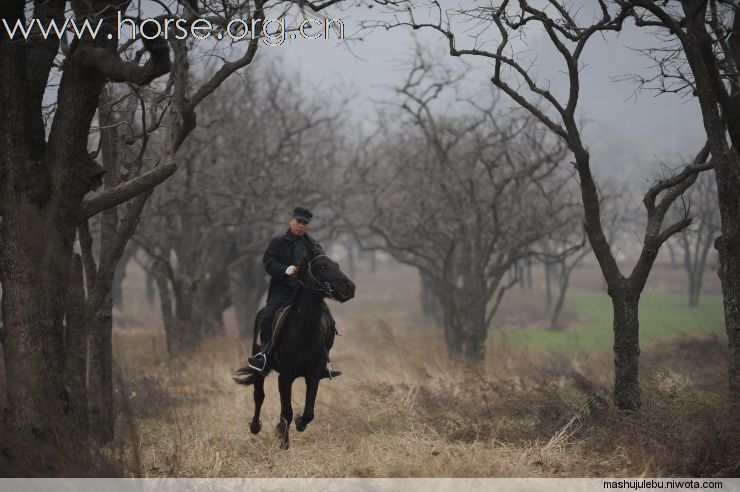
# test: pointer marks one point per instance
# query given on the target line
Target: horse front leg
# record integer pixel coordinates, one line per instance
(285, 384)
(259, 397)
(312, 387)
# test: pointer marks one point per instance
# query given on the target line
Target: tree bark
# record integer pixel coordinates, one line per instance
(34, 260)
(728, 246)
(76, 349)
(475, 332)
(626, 349)
(34, 269)
(165, 305)
(187, 332)
(43, 187)
(721, 117)
(100, 373)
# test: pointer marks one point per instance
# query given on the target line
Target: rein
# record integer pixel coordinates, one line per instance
(318, 286)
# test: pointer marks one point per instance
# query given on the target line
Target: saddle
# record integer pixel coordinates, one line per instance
(282, 315)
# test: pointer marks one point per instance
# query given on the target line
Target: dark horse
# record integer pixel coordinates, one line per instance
(301, 349)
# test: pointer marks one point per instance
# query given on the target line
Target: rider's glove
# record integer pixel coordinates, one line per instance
(291, 270)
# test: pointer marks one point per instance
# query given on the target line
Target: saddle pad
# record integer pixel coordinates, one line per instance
(282, 315)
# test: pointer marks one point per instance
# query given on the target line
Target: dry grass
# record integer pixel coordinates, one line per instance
(403, 410)
(419, 417)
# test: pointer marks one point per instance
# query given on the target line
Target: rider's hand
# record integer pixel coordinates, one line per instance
(291, 270)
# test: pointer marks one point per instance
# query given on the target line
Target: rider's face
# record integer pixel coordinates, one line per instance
(298, 226)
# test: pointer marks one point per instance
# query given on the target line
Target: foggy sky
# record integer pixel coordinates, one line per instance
(626, 136)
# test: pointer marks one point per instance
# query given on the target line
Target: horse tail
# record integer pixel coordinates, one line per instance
(250, 378)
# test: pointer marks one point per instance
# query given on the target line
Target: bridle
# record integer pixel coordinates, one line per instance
(318, 285)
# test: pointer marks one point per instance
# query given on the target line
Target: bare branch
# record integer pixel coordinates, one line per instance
(127, 189)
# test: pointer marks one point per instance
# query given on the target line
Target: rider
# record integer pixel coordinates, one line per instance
(280, 260)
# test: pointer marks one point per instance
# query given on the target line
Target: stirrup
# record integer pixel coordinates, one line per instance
(261, 370)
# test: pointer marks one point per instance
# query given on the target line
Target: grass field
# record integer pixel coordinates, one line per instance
(539, 406)
(662, 315)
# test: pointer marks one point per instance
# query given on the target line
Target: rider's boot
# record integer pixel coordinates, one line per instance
(328, 371)
(258, 361)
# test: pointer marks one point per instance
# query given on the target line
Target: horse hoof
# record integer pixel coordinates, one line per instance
(281, 431)
(255, 427)
(300, 425)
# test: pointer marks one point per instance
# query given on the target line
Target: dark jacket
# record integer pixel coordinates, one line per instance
(279, 256)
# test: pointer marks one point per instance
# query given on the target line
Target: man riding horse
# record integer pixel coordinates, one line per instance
(280, 260)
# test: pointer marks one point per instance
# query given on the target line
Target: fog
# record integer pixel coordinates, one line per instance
(627, 132)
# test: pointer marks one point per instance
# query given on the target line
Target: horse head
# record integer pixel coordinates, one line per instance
(319, 273)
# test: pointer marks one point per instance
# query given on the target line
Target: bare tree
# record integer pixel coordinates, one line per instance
(700, 56)
(696, 241)
(506, 26)
(560, 257)
(214, 219)
(461, 197)
(46, 173)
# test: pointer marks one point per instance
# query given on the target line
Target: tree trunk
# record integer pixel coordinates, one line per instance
(165, 305)
(100, 373)
(519, 274)
(721, 117)
(729, 273)
(475, 332)
(563, 284)
(626, 350)
(453, 334)
(150, 288)
(42, 183)
(728, 246)
(75, 338)
(34, 267)
(548, 287)
(187, 332)
(694, 288)
(212, 301)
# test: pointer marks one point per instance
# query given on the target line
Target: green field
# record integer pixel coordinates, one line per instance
(661, 315)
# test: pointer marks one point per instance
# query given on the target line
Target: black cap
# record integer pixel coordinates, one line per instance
(302, 213)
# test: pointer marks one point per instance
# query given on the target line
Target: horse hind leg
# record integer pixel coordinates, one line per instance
(312, 387)
(282, 430)
(259, 397)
